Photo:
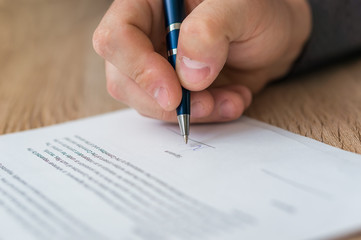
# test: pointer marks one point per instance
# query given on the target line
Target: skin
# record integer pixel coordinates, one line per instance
(227, 51)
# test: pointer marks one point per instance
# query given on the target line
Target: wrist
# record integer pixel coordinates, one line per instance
(301, 22)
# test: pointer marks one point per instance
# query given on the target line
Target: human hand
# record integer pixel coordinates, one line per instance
(227, 50)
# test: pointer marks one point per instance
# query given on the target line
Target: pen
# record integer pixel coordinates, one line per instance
(174, 15)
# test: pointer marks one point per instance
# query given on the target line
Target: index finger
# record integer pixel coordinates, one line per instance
(124, 38)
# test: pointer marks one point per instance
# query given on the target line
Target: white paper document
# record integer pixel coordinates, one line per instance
(122, 176)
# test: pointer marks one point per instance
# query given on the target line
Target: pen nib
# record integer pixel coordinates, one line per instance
(186, 139)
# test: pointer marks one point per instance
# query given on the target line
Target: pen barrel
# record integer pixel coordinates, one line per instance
(174, 13)
(172, 44)
(184, 106)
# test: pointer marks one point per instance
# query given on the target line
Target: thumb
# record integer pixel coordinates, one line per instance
(204, 41)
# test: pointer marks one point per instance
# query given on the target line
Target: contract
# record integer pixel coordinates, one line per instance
(123, 176)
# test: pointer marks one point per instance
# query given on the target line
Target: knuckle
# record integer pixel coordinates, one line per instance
(239, 106)
(160, 114)
(204, 29)
(163, 115)
(156, 113)
(142, 76)
(115, 91)
(143, 114)
(166, 116)
(102, 41)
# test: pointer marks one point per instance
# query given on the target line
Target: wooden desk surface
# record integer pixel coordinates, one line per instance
(50, 74)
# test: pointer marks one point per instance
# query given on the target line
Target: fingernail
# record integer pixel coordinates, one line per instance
(161, 96)
(197, 110)
(226, 109)
(193, 71)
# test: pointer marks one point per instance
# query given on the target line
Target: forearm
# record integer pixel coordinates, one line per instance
(336, 34)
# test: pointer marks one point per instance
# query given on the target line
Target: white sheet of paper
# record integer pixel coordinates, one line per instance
(122, 176)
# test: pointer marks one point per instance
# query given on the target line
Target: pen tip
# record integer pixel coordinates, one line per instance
(186, 139)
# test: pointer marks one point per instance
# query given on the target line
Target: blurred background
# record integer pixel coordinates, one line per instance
(49, 72)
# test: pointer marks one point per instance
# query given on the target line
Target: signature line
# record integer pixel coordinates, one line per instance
(192, 139)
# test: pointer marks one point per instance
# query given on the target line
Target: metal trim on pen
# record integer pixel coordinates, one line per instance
(173, 26)
(172, 52)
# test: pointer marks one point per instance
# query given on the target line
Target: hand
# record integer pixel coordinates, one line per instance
(227, 50)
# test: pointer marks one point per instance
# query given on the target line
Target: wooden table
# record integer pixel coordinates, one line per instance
(50, 74)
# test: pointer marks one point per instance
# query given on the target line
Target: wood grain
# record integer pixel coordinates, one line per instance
(325, 105)
(49, 71)
(49, 74)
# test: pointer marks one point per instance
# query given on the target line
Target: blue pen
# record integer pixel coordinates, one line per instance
(174, 15)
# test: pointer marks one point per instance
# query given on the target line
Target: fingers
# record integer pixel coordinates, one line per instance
(228, 103)
(213, 105)
(124, 39)
(124, 89)
(204, 40)
(144, 79)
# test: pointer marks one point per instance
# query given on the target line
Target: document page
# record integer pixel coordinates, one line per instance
(123, 176)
